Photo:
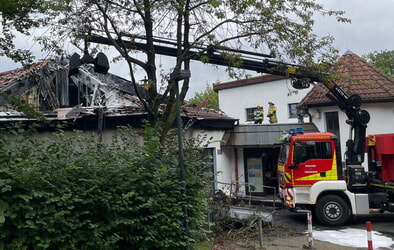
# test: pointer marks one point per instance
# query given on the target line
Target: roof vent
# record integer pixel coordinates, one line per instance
(349, 52)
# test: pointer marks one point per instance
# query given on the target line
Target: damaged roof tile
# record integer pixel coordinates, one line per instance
(12, 76)
(192, 111)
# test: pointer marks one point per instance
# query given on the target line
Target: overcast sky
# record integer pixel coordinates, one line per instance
(371, 30)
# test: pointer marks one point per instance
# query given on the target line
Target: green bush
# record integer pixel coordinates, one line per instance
(75, 193)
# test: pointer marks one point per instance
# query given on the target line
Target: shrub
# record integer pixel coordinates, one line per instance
(75, 193)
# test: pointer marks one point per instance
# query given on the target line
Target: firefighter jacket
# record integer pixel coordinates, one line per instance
(258, 114)
(271, 114)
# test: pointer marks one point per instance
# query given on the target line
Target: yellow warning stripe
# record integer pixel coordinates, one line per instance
(314, 137)
(380, 185)
(287, 178)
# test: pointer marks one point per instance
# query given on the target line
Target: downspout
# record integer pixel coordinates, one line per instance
(236, 170)
(100, 123)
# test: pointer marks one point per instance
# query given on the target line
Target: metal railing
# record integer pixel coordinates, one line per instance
(232, 190)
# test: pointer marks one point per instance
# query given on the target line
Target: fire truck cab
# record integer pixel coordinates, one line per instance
(312, 176)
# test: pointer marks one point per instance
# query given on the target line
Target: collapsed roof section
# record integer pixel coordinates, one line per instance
(85, 95)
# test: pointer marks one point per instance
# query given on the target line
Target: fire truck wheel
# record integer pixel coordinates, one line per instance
(332, 210)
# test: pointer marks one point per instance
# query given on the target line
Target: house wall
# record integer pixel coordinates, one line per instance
(223, 158)
(234, 101)
(107, 134)
(231, 173)
(228, 161)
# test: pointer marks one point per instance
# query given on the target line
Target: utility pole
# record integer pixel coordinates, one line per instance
(177, 76)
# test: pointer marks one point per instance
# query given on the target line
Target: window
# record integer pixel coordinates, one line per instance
(315, 150)
(332, 123)
(249, 114)
(292, 110)
(283, 154)
(209, 168)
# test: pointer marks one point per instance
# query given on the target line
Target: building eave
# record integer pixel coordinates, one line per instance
(246, 82)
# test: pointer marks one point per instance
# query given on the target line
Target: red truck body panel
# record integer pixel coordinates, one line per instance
(385, 154)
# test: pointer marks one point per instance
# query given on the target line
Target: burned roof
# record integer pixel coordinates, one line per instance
(12, 76)
(355, 76)
(116, 82)
(205, 116)
(112, 94)
(192, 111)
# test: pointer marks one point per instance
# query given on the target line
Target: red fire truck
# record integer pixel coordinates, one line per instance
(313, 177)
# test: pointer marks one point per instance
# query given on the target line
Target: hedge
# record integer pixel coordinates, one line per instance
(73, 192)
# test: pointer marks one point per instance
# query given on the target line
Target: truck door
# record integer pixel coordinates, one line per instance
(317, 162)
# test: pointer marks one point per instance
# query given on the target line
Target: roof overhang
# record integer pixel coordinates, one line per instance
(262, 135)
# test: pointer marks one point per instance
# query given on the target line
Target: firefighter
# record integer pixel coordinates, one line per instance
(272, 113)
(258, 114)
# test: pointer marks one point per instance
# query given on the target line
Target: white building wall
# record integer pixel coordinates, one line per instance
(226, 169)
(224, 163)
(382, 118)
(230, 159)
(235, 101)
(226, 160)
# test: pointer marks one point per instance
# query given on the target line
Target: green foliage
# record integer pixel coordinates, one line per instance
(16, 15)
(383, 61)
(208, 94)
(20, 17)
(72, 192)
(19, 104)
(283, 29)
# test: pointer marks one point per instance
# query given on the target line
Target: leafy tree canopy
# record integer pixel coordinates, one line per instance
(20, 17)
(283, 29)
(207, 98)
(383, 61)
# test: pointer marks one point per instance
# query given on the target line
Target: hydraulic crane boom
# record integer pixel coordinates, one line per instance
(350, 105)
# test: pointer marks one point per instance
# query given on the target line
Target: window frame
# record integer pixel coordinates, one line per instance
(249, 114)
(292, 110)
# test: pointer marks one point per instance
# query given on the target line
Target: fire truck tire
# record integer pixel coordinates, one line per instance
(332, 210)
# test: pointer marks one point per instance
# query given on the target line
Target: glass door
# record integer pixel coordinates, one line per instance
(255, 175)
